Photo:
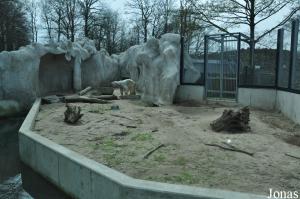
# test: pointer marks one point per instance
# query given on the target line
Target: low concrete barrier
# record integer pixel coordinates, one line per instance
(83, 178)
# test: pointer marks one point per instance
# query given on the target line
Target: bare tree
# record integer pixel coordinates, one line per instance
(55, 14)
(32, 10)
(144, 10)
(46, 13)
(13, 25)
(167, 9)
(87, 10)
(247, 12)
(70, 19)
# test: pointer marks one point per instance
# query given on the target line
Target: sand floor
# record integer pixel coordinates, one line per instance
(121, 138)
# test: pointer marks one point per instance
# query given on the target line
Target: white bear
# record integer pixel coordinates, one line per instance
(128, 86)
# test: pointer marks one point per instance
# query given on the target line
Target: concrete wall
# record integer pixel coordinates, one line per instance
(289, 104)
(190, 93)
(100, 70)
(55, 74)
(19, 77)
(83, 178)
(266, 99)
(258, 98)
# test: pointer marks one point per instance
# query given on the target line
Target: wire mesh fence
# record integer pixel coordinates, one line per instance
(288, 60)
(226, 65)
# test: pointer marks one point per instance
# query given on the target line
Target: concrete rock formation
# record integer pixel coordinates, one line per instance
(155, 67)
(39, 70)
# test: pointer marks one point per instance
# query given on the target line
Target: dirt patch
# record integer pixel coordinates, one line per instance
(122, 138)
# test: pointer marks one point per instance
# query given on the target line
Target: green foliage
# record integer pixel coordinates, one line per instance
(159, 158)
(99, 108)
(180, 161)
(142, 137)
(182, 178)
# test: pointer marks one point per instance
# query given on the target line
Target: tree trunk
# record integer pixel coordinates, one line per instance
(72, 114)
(252, 43)
(233, 121)
(145, 30)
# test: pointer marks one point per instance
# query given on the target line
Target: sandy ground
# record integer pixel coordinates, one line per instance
(121, 138)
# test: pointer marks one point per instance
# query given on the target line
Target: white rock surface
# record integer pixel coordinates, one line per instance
(37, 70)
(155, 67)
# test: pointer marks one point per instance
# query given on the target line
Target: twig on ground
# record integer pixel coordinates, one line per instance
(129, 126)
(153, 150)
(231, 148)
(123, 133)
(292, 156)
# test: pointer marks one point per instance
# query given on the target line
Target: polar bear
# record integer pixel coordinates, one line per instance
(128, 86)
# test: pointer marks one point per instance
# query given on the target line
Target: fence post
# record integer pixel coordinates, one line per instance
(205, 62)
(181, 60)
(279, 52)
(294, 41)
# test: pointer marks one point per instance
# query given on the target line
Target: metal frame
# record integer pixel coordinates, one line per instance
(242, 37)
(220, 38)
(182, 66)
(293, 55)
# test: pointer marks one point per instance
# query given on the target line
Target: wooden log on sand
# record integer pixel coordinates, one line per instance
(232, 121)
(84, 99)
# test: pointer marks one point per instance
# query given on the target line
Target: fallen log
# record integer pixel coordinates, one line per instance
(232, 121)
(51, 99)
(72, 114)
(84, 99)
(105, 97)
(85, 91)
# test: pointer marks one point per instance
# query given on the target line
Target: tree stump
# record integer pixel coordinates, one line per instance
(72, 114)
(233, 121)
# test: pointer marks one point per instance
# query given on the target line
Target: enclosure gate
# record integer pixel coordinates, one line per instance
(221, 66)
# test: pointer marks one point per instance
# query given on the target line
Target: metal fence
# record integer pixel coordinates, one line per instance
(225, 55)
(288, 60)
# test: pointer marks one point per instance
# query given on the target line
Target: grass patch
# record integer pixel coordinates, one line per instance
(182, 178)
(142, 137)
(159, 158)
(109, 145)
(95, 146)
(98, 108)
(180, 161)
(112, 159)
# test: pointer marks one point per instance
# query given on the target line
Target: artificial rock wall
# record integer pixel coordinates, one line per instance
(155, 66)
(38, 70)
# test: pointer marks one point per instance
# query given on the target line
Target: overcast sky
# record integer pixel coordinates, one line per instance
(119, 5)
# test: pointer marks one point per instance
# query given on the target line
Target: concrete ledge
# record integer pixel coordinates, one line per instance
(289, 104)
(83, 178)
(190, 93)
(257, 97)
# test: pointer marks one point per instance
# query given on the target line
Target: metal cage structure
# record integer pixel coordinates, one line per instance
(226, 64)
(223, 63)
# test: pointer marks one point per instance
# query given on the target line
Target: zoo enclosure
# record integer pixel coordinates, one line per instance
(228, 54)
